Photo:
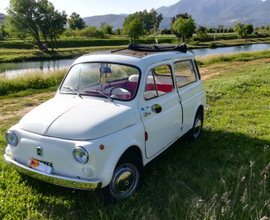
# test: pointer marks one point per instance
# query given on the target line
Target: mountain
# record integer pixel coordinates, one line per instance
(209, 13)
(2, 18)
(111, 19)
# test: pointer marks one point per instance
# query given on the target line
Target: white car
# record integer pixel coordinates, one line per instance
(114, 112)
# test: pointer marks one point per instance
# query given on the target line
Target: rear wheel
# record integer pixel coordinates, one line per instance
(195, 132)
(127, 179)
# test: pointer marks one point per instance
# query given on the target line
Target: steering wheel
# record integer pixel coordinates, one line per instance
(121, 87)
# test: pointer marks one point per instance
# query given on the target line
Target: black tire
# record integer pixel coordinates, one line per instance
(127, 178)
(195, 132)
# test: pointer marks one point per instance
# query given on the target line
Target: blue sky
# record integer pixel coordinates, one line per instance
(87, 8)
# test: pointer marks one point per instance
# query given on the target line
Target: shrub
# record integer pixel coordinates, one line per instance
(212, 45)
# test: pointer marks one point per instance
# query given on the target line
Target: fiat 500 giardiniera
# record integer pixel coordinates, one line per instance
(113, 113)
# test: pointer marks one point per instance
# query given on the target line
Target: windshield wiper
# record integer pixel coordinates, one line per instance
(73, 89)
(96, 91)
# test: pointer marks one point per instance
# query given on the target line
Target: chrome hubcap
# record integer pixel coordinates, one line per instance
(124, 181)
(197, 127)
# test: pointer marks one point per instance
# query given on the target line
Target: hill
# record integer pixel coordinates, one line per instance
(209, 13)
(2, 18)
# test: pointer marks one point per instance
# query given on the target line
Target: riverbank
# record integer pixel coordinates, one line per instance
(20, 55)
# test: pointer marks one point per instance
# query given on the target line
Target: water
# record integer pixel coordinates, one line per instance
(203, 52)
(11, 69)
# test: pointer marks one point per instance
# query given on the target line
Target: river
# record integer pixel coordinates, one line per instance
(11, 69)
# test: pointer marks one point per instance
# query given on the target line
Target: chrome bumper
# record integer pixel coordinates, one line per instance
(54, 179)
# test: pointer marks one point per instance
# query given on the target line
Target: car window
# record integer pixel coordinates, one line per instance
(184, 73)
(112, 80)
(159, 82)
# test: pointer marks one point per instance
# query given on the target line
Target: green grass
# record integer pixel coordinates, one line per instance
(223, 175)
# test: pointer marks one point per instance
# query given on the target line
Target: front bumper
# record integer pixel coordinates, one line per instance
(54, 179)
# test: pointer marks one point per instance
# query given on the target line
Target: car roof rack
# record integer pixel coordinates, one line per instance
(155, 48)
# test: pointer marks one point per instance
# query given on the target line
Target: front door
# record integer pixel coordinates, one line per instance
(161, 110)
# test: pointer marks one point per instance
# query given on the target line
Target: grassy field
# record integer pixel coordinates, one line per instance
(224, 174)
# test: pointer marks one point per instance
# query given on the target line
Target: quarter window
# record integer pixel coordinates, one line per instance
(159, 82)
(184, 73)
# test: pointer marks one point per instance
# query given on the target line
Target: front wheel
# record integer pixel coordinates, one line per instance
(127, 178)
(196, 130)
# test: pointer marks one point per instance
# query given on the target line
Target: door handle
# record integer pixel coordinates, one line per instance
(156, 108)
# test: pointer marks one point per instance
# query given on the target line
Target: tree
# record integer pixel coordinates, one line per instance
(230, 30)
(133, 29)
(75, 21)
(149, 20)
(201, 32)
(108, 29)
(241, 31)
(34, 18)
(184, 27)
(174, 19)
(52, 22)
(3, 32)
(249, 28)
(118, 31)
(210, 30)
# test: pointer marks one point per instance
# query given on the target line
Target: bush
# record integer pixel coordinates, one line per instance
(212, 45)
(16, 45)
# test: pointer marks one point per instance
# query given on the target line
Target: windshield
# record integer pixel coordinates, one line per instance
(107, 80)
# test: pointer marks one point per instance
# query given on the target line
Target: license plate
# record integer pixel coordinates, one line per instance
(39, 165)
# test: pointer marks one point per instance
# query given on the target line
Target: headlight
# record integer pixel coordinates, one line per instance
(11, 138)
(81, 155)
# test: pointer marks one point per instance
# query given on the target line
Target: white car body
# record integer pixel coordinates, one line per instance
(106, 129)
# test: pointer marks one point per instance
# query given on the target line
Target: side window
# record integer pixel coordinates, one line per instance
(159, 82)
(184, 73)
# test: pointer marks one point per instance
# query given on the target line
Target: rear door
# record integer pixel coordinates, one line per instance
(161, 109)
(190, 90)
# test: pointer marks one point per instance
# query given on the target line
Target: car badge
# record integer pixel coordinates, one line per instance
(39, 151)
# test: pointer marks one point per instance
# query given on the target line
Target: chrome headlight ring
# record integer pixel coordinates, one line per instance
(81, 155)
(11, 138)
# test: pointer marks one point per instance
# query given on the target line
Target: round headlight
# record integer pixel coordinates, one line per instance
(81, 155)
(11, 138)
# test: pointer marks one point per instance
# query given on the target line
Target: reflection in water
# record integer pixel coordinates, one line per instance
(203, 52)
(11, 69)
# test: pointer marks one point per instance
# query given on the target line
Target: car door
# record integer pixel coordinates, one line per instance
(161, 110)
(190, 89)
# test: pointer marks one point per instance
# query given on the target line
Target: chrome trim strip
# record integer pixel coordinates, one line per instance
(54, 179)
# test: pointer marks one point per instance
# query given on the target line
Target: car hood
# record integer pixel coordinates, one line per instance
(77, 119)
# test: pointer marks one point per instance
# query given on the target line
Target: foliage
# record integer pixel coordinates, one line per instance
(75, 21)
(210, 30)
(212, 45)
(249, 28)
(184, 27)
(118, 31)
(230, 30)
(92, 32)
(241, 31)
(201, 32)
(33, 80)
(108, 29)
(165, 31)
(52, 22)
(149, 20)
(133, 29)
(3, 32)
(184, 16)
(28, 17)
